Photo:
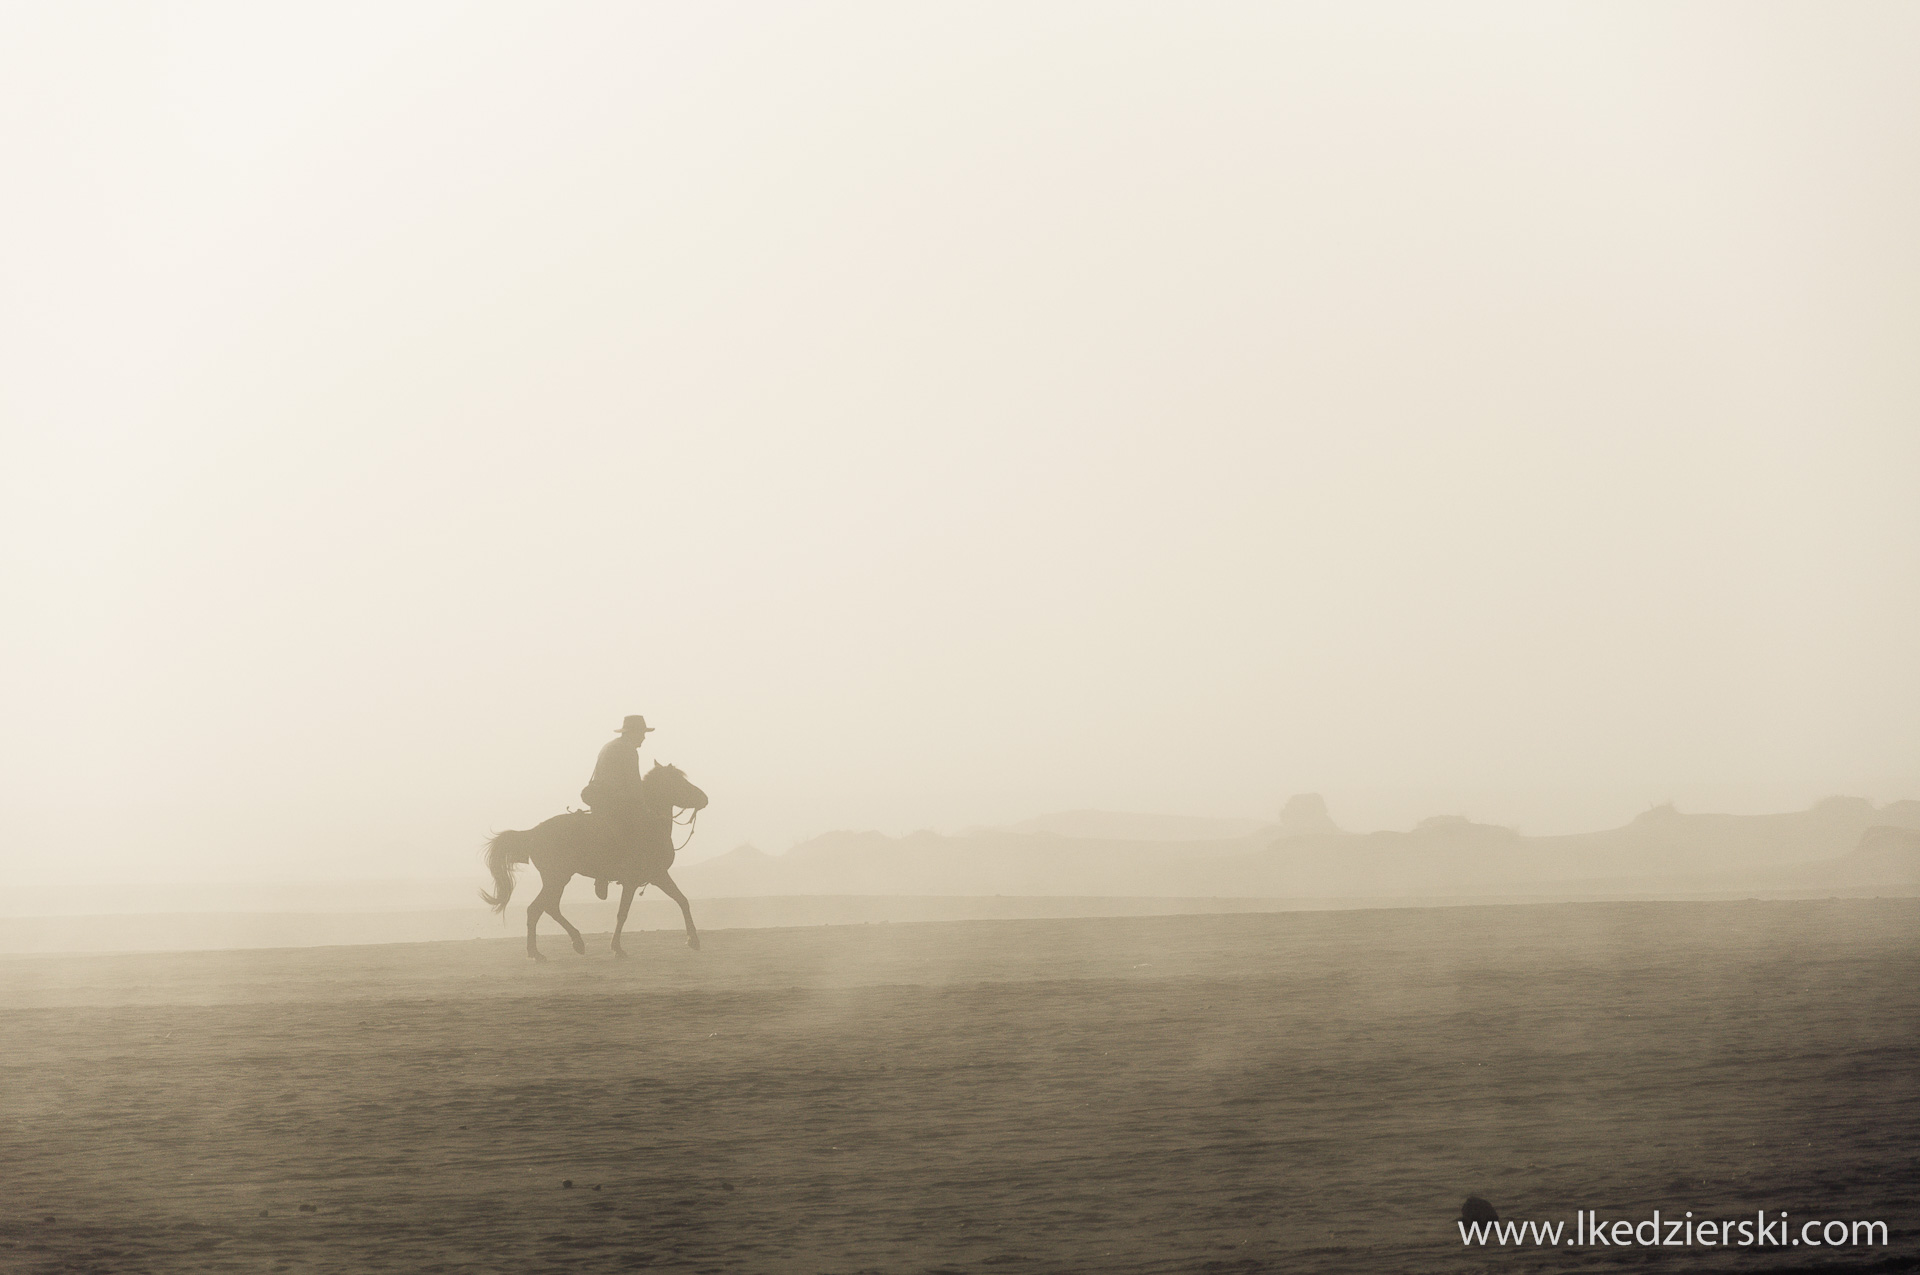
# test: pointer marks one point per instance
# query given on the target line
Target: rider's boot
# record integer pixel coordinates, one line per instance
(600, 886)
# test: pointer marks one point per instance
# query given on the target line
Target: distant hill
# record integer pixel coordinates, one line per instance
(1107, 825)
(1843, 843)
(987, 861)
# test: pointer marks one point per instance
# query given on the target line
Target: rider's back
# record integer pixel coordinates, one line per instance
(616, 775)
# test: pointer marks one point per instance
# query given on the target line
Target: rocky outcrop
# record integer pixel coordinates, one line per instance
(1306, 815)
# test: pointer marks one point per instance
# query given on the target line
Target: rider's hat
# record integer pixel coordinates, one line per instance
(636, 725)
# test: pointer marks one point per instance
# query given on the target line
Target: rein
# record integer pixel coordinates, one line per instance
(693, 817)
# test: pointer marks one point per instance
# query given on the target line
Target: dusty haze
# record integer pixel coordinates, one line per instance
(933, 417)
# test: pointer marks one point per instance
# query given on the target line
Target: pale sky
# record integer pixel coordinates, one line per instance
(934, 415)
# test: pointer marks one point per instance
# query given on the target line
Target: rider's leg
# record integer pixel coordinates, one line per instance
(626, 831)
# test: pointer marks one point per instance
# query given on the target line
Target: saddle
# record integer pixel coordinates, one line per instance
(616, 853)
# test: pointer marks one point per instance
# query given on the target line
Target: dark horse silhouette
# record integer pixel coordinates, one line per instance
(578, 843)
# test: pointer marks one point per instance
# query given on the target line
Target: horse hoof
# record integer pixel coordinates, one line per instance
(537, 956)
(619, 953)
(580, 946)
(693, 941)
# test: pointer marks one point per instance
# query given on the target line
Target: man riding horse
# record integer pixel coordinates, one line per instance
(613, 793)
(627, 836)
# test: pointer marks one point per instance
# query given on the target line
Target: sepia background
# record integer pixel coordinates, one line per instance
(933, 417)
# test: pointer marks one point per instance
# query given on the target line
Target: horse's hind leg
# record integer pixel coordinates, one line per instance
(553, 910)
(627, 891)
(672, 891)
(540, 903)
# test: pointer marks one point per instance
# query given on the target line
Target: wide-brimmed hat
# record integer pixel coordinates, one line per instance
(636, 724)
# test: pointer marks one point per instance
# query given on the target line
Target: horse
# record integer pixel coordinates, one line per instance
(580, 843)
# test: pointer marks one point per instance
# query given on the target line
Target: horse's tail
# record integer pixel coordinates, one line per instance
(501, 856)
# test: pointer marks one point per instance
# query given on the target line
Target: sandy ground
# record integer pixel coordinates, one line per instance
(184, 931)
(198, 931)
(1308, 1091)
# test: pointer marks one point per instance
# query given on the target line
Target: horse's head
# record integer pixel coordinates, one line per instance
(669, 785)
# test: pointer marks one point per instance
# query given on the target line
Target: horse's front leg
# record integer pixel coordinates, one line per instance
(553, 910)
(627, 891)
(672, 891)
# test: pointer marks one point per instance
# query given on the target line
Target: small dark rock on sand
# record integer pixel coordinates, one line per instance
(309, 1208)
(1478, 1210)
(567, 1185)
